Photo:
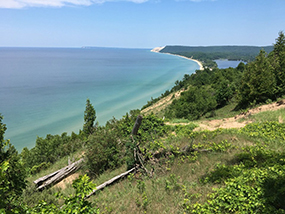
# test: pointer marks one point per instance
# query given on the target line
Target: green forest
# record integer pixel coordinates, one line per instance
(174, 169)
(207, 54)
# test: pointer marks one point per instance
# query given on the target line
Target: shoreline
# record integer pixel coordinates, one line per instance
(158, 49)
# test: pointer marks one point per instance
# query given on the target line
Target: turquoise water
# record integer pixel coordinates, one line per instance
(44, 90)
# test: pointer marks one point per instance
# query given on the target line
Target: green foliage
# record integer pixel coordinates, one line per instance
(171, 183)
(265, 77)
(103, 151)
(222, 146)
(37, 168)
(72, 204)
(50, 149)
(253, 182)
(192, 104)
(142, 200)
(270, 130)
(247, 190)
(12, 174)
(89, 118)
(224, 92)
(111, 146)
(185, 130)
(278, 62)
(207, 91)
(152, 126)
(262, 80)
(204, 54)
(258, 82)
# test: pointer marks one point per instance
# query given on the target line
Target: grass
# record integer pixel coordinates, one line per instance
(57, 165)
(165, 192)
(177, 181)
(224, 112)
(278, 116)
(179, 120)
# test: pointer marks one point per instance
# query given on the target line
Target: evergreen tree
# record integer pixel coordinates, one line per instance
(258, 82)
(193, 103)
(89, 118)
(278, 62)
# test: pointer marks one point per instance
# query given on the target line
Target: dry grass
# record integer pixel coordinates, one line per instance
(124, 196)
(158, 197)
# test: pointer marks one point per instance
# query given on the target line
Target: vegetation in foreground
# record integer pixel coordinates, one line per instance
(221, 171)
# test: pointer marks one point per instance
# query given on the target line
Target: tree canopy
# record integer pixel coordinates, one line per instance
(89, 118)
(12, 174)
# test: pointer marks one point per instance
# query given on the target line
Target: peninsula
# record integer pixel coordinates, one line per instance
(159, 49)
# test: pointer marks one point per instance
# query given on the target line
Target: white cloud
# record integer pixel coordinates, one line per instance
(10, 4)
(55, 3)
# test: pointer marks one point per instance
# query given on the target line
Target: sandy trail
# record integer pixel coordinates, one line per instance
(233, 122)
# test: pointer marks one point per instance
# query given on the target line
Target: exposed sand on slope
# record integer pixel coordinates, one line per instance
(233, 122)
(162, 103)
(157, 49)
(67, 181)
(226, 123)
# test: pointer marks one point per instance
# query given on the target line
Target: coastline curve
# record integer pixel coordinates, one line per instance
(158, 49)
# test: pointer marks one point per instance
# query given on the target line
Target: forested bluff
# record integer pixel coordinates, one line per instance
(110, 147)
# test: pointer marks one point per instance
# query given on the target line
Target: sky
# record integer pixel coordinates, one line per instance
(139, 23)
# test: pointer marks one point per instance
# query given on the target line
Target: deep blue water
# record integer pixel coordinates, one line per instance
(224, 63)
(44, 90)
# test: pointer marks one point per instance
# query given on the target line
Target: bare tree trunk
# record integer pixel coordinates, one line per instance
(137, 125)
(114, 179)
(57, 176)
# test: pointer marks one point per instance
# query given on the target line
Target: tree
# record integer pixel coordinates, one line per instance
(278, 62)
(12, 174)
(103, 151)
(224, 92)
(89, 118)
(258, 82)
(193, 103)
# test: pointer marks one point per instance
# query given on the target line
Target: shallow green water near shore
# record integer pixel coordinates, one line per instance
(44, 90)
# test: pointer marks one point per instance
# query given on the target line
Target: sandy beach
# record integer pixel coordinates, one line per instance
(158, 49)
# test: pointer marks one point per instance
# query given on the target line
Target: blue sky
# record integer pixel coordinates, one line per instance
(139, 23)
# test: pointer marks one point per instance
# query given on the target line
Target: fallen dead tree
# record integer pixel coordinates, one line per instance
(107, 183)
(55, 177)
(136, 156)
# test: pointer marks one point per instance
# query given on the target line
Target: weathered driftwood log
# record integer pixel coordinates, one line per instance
(114, 179)
(57, 176)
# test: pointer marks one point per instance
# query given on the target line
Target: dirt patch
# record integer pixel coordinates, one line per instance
(233, 122)
(162, 103)
(68, 180)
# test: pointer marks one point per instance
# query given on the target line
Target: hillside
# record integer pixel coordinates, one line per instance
(246, 53)
(182, 178)
(214, 143)
(207, 54)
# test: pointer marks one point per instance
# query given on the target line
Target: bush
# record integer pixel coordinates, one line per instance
(103, 151)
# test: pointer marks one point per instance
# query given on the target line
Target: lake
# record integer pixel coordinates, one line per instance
(44, 90)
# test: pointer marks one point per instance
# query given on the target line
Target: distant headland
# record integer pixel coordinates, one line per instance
(159, 49)
(205, 56)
